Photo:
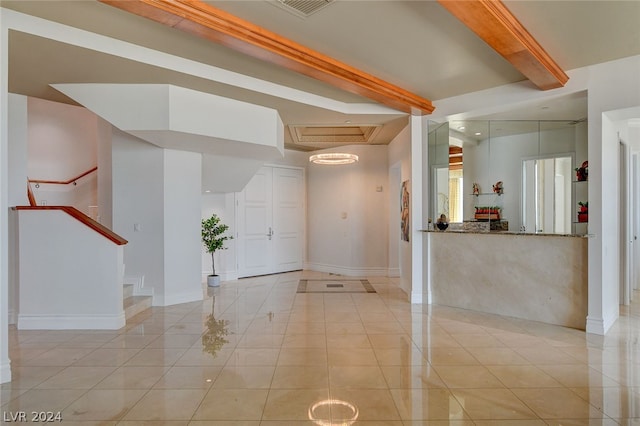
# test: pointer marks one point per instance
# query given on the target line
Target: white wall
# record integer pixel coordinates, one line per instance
(138, 190)
(347, 227)
(400, 157)
(62, 145)
(105, 174)
(17, 178)
(76, 286)
(182, 213)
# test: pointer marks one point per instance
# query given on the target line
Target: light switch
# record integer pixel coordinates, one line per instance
(343, 215)
(137, 227)
(379, 188)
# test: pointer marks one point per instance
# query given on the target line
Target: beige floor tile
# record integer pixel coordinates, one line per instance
(578, 376)
(232, 404)
(306, 327)
(486, 404)
(300, 377)
(29, 377)
(449, 356)
(523, 376)
(133, 378)
(477, 340)
(175, 341)
(545, 355)
(254, 357)
(302, 356)
(411, 377)
(107, 357)
(498, 356)
(557, 403)
(77, 378)
(410, 356)
(58, 357)
(102, 404)
(156, 357)
(372, 404)
(345, 328)
(357, 377)
(287, 353)
(467, 376)
(615, 402)
(428, 404)
(196, 357)
(199, 377)
(391, 341)
(167, 404)
(244, 377)
(38, 400)
(352, 357)
(304, 341)
(287, 404)
(343, 341)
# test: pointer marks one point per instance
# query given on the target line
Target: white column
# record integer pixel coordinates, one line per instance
(418, 135)
(5, 362)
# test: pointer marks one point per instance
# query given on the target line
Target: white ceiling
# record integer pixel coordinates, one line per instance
(416, 45)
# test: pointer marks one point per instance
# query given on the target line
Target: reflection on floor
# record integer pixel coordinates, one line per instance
(256, 352)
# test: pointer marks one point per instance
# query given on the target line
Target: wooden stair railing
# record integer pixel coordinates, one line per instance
(30, 196)
(83, 218)
(64, 182)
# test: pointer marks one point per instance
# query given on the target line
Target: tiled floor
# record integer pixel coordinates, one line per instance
(255, 352)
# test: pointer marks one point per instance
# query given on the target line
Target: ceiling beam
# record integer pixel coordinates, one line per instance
(494, 23)
(203, 20)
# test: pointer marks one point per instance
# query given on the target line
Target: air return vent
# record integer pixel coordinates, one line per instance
(302, 8)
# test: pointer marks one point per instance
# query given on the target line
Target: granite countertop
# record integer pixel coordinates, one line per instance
(535, 234)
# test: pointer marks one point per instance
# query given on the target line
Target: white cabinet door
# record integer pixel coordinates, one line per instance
(271, 222)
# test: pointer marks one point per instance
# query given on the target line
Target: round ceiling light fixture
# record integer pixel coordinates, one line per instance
(334, 158)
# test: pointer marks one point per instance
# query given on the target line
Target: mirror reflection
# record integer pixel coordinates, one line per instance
(518, 175)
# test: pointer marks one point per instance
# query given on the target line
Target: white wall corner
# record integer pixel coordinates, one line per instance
(393, 272)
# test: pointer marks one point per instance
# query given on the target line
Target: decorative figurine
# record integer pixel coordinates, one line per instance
(476, 188)
(498, 188)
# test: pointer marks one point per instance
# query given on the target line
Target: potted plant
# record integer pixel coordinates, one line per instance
(213, 240)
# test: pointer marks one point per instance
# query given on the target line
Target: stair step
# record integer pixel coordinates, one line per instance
(127, 291)
(133, 305)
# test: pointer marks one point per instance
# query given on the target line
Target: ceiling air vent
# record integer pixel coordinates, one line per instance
(303, 8)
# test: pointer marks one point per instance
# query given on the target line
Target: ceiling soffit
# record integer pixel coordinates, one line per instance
(317, 137)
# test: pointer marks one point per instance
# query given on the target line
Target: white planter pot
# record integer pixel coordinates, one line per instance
(213, 280)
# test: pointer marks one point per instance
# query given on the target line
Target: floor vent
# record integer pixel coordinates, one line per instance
(303, 8)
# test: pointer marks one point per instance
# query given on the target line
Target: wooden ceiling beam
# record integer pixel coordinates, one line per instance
(203, 20)
(494, 23)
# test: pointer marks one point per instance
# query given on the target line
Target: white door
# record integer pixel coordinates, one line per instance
(270, 222)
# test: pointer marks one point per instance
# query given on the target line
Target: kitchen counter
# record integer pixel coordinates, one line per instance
(540, 277)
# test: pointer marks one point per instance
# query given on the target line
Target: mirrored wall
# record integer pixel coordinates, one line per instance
(519, 172)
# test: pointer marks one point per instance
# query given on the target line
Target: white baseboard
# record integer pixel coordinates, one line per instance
(71, 322)
(350, 272)
(416, 298)
(393, 272)
(174, 299)
(5, 371)
(224, 276)
(599, 326)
